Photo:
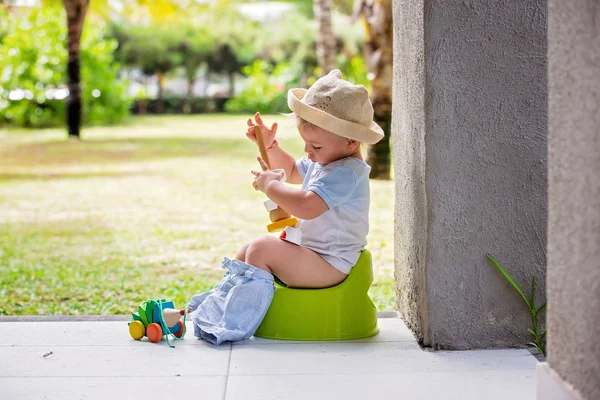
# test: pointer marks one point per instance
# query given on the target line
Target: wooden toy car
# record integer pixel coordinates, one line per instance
(155, 319)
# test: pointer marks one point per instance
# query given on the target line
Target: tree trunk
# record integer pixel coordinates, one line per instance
(378, 155)
(231, 77)
(190, 86)
(76, 10)
(326, 49)
(160, 103)
(205, 77)
(377, 19)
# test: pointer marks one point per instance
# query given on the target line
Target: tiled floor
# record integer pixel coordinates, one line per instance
(98, 360)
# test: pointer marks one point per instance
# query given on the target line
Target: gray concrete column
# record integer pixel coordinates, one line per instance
(469, 143)
(573, 368)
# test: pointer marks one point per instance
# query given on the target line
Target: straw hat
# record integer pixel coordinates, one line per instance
(337, 106)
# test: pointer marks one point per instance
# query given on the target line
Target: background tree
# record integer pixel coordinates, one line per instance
(196, 48)
(326, 43)
(148, 43)
(76, 10)
(287, 59)
(296, 47)
(156, 49)
(377, 18)
(76, 13)
(33, 77)
(235, 41)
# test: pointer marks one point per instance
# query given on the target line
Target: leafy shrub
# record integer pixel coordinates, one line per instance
(178, 105)
(33, 63)
(354, 70)
(105, 98)
(264, 90)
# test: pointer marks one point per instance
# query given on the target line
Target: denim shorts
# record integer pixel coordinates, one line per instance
(234, 308)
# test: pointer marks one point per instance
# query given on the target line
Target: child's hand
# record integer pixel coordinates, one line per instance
(268, 134)
(264, 177)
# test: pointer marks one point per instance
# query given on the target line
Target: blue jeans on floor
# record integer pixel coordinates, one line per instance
(234, 308)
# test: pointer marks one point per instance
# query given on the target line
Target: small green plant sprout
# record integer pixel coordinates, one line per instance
(539, 338)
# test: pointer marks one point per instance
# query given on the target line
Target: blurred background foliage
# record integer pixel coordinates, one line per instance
(253, 60)
(33, 73)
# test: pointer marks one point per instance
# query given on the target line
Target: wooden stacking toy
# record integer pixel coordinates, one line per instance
(280, 219)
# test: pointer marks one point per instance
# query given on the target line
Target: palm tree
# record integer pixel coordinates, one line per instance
(76, 13)
(377, 19)
(326, 44)
(76, 10)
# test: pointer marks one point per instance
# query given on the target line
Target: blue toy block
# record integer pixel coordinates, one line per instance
(157, 313)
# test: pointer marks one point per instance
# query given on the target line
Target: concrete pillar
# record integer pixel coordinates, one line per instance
(573, 368)
(469, 143)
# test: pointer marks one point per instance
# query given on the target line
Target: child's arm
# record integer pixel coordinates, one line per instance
(281, 159)
(278, 158)
(304, 205)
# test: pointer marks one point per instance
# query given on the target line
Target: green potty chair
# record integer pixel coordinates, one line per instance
(340, 312)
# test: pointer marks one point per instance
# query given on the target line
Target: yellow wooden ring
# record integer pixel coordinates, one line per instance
(280, 225)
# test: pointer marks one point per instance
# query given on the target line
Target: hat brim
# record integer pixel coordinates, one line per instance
(347, 129)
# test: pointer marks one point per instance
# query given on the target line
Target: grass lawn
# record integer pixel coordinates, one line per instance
(143, 210)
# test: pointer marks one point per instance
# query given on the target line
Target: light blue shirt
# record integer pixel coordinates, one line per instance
(340, 233)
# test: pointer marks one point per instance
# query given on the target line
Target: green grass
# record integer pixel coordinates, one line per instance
(143, 210)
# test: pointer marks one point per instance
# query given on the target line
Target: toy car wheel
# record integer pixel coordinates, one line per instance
(181, 331)
(136, 329)
(154, 332)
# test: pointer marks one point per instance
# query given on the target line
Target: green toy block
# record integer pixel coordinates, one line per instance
(150, 310)
(145, 311)
(136, 317)
(142, 311)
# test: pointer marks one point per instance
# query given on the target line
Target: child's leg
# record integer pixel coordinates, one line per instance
(296, 266)
(241, 253)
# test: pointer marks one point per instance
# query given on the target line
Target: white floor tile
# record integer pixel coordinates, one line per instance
(140, 359)
(99, 360)
(391, 330)
(197, 387)
(465, 385)
(89, 333)
(373, 358)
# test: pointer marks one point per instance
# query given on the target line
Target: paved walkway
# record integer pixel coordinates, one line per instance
(98, 360)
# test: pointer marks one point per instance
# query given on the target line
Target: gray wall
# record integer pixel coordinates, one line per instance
(408, 130)
(469, 143)
(574, 194)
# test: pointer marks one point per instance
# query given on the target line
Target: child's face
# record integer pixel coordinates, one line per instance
(324, 147)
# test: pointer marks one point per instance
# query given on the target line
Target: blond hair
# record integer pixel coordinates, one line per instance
(302, 123)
